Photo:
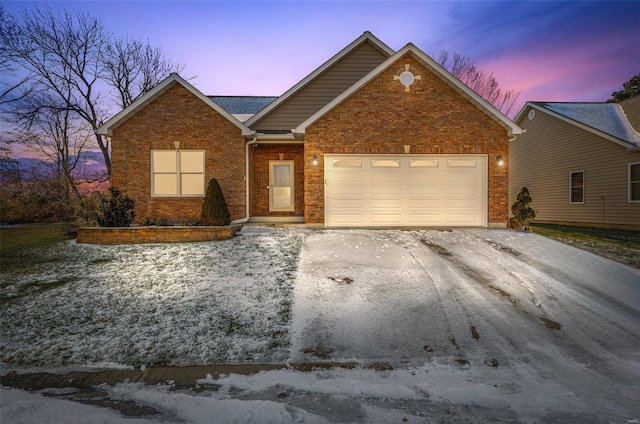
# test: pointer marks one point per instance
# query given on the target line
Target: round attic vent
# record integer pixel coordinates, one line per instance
(407, 78)
(532, 114)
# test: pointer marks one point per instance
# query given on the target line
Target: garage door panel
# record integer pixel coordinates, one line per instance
(425, 191)
(424, 218)
(424, 204)
(383, 190)
(395, 203)
(462, 219)
(347, 203)
(418, 190)
(421, 176)
(463, 203)
(456, 177)
(386, 218)
(346, 191)
(342, 220)
(463, 190)
(392, 176)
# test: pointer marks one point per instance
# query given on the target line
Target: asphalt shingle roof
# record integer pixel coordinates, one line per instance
(245, 105)
(606, 117)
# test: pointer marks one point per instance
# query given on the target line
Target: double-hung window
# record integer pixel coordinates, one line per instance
(576, 187)
(177, 173)
(634, 182)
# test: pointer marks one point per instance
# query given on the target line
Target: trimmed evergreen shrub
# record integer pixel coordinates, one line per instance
(522, 212)
(214, 208)
(116, 209)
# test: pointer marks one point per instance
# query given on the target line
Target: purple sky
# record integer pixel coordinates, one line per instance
(551, 51)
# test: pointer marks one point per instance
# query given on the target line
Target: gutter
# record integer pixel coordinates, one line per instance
(246, 181)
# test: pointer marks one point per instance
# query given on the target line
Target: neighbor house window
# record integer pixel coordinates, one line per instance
(634, 182)
(576, 187)
(177, 173)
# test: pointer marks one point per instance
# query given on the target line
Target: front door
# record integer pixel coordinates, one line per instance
(281, 196)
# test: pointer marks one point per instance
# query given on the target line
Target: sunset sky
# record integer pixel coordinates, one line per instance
(550, 51)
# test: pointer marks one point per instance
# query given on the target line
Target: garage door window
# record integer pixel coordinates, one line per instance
(461, 163)
(576, 187)
(423, 163)
(347, 163)
(385, 163)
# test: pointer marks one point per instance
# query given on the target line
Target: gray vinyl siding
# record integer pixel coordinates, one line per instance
(323, 89)
(543, 157)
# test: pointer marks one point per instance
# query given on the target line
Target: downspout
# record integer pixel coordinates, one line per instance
(246, 181)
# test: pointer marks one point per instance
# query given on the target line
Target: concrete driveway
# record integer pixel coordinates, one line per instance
(495, 305)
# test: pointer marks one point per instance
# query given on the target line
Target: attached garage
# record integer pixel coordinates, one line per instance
(405, 190)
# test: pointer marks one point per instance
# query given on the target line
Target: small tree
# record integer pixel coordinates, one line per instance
(116, 209)
(522, 212)
(214, 208)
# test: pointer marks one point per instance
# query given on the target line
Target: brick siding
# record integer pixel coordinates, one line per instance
(380, 118)
(178, 115)
(137, 235)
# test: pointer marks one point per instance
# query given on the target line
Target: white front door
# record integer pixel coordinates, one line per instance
(281, 195)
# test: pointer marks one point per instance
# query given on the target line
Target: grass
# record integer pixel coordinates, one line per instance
(32, 235)
(67, 304)
(619, 245)
(17, 243)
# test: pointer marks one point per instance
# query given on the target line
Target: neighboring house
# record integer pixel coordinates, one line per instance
(372, 138)
(580, 162)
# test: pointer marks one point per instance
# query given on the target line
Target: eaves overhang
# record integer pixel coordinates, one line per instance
(512, 128)
(142, 101)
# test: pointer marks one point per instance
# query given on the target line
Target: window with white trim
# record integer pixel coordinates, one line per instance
(177, 173)
(576, 187)
(634, 182)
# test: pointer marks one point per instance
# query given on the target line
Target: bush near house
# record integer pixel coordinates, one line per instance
(214, 208)
(116, 209)
(522, 212)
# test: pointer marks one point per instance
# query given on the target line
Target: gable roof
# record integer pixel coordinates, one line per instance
(490, 110)
(606, 120)
(142, 101)
(364, 38)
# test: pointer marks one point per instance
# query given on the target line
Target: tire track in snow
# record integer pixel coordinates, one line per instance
(585, 354)
(462, 321)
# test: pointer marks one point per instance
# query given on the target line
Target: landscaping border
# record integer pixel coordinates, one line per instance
(140, 235)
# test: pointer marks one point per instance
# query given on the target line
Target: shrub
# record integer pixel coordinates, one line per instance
(147, 222)
(116, 209)
(522, 212)
(164, 222)
(191, 221)
(214, 208)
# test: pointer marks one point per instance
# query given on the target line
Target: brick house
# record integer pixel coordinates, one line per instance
(371, 138)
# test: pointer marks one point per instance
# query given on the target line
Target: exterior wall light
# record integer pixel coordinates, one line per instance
(314, 160)
(500, 161)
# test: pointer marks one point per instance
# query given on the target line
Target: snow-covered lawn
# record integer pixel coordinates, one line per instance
(476, 326)
(172, 304)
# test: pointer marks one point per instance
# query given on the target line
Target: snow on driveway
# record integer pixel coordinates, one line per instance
(499, 316)
(473, 325)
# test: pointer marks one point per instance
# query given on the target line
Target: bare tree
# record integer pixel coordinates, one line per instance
(133, 67)
(483, 83)
(74, 65)
(54, 134)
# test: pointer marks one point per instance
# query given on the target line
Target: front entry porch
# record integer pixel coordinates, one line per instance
(276, 177)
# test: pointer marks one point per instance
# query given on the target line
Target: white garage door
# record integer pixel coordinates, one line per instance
(405, 190)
